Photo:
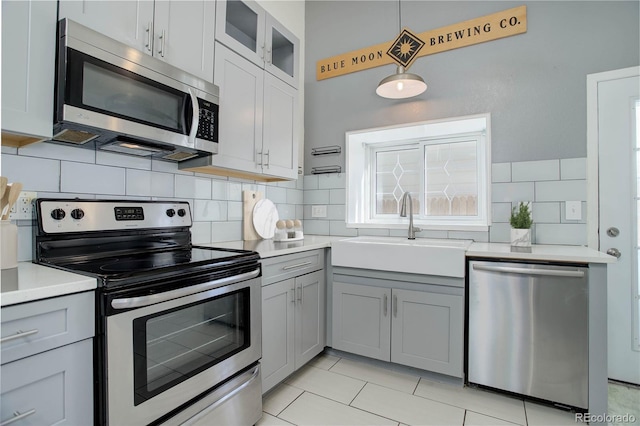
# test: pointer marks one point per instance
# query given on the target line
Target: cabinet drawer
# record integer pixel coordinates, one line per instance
(54, 387)
(280, 268)
(35, 327)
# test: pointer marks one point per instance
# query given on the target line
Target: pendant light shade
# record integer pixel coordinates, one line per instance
(401, 85)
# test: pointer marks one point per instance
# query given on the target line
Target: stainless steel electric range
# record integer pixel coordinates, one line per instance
(178, 327)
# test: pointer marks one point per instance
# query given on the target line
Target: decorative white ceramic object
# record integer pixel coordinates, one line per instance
(520, 237)
(265, 216)
(9, 248)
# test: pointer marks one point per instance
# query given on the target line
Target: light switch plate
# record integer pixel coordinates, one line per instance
(573, 210)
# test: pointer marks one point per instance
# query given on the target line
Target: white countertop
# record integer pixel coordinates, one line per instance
(556, 253)
(270, 248)
(30, 282)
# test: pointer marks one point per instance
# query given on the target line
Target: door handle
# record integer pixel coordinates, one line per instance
(18, 416)
(385, 301)
(525, 271)
(614, 252)
(149, 32)
(162, 43)
(18, 335)
(395, 306)
(293, 292)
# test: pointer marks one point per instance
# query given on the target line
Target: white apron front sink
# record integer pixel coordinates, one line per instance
(399, 254)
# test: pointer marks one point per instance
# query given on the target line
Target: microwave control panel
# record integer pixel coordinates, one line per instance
(207, 121)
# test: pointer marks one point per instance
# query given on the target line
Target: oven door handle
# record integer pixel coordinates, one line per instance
(140, 301)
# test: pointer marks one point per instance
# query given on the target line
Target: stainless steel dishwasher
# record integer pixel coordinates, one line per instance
(528, 330)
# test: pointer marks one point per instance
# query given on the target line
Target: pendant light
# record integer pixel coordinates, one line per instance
(402, 84)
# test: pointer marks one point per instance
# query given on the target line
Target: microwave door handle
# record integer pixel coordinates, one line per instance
(196, 115)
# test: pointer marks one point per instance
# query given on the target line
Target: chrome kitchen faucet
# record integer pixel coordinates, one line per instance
(403, 213)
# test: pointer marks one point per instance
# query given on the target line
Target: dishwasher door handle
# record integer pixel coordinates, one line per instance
(525, 271)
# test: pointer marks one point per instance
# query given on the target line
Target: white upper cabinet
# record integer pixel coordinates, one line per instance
(258, 119)
(178, 32)
(245, 27)
(28, 69)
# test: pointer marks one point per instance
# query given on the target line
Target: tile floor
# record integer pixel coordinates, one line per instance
(340, 391)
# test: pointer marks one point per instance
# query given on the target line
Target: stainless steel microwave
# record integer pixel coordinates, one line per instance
(112, 97)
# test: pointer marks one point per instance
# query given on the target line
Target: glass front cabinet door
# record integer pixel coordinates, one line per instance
(246, 28)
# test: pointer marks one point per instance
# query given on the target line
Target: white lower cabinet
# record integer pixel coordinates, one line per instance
(293, 325)
(419, 329)
(47, 361)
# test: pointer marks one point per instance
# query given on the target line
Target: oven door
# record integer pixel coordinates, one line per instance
(161, 356)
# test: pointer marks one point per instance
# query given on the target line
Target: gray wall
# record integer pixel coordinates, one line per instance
(533, 84)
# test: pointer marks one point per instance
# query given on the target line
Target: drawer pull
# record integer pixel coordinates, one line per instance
(18, 335)
(299, 265)
(17, 416)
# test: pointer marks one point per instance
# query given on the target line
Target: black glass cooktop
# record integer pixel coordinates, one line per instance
(175, 261)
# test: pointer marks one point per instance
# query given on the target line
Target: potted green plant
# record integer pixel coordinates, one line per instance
(521, 222)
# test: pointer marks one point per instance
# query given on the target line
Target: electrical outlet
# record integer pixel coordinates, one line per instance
(24, 206)
(318, 211)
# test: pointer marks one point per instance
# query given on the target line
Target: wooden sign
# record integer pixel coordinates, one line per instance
(486, 28)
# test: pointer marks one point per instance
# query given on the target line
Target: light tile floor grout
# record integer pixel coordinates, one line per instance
(487, 407)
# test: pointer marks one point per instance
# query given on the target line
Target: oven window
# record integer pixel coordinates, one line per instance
(172, 346)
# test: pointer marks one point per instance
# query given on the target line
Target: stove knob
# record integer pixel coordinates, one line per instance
(58, 214)
(171, 212)
(77, 213)
(182, 212)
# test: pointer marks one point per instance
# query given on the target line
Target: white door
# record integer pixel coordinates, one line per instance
(618, 105)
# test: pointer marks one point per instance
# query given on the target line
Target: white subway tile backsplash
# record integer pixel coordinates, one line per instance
(91, 179)
(219, 189)
(201, 232)
(290, 184)
(234, 210)
(555, 233)
(332, 181)
(209, 210)
(295, 196)
(500, 212)
(573, 168)
(339, 227)
(373, 232)
(276, 194)
(8, 150)
(316, 196)
(287, 211)
(431, 233)
(121, 160)
(545, 212)
(192, 187)
(501, 172)
(22, 169)
(316, 227)
(534, 171)
(25, 243)
(168, 167)
(138, 182)
(336, 212)
(337, 196)
(310, 182)
(56, 151)
(500, 233)
(226, 231)
(478, 236)
(235, 191)
(508, 192)
(162, 185)
(561, 190)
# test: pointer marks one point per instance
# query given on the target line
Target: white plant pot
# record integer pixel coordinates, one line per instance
(520, 237)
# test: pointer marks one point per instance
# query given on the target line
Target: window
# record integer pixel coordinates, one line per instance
(444, 165)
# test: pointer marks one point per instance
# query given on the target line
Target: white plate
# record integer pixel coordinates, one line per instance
(265, 216)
